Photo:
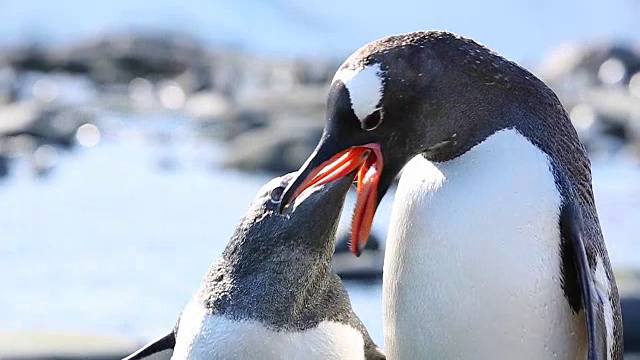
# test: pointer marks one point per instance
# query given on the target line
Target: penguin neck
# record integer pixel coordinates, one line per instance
(276, 271)
(283, 287)
(253, 253)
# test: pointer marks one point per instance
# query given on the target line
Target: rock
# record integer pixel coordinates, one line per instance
(303, 102)
(319, 74)
(590, 64)
(4, 166)
(272, 130)
(366, 267)
(57, 88)
(208, 105)
(47, 123)
(615, 115)
(35, 57)
(596, 83)
(35, 130)
(236, 123)
(117, 58)
(273, 148)
(8, 85)
(18, 117)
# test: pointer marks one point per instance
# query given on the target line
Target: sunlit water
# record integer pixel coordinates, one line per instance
(118, 237)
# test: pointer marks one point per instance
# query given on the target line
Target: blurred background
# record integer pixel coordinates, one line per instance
(134, 134)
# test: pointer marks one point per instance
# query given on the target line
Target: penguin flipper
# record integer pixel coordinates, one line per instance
(573, 236)
(166, 342)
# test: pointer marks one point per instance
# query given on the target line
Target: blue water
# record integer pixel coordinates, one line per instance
(113, 243)
(522, 30)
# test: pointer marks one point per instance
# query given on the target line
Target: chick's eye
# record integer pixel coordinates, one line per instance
(372, 120)
(276, 194)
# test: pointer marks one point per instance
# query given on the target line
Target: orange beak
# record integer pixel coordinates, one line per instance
(367, 159)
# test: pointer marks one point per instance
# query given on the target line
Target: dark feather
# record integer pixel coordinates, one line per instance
(592, 304)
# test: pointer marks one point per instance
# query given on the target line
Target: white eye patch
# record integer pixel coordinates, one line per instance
(365, 87)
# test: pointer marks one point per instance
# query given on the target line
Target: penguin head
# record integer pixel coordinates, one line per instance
(398, 97)
(311, 221)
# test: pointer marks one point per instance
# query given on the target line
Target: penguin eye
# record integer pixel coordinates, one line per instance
(372, 120)
(276, 194)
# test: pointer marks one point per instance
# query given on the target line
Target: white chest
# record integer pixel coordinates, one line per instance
(210, 337)
(472, 267)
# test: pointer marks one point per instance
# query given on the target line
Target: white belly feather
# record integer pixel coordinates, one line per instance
(210, 337)
(472, 266)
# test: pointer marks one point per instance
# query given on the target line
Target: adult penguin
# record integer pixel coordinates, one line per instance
(494, 248)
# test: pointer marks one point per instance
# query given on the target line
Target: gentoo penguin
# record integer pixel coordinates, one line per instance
(494, 248)
(272, 294)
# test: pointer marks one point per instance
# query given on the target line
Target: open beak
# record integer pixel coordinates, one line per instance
(367, 160)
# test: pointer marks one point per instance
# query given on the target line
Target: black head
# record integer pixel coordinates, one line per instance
(431, 93)
(308, 225)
